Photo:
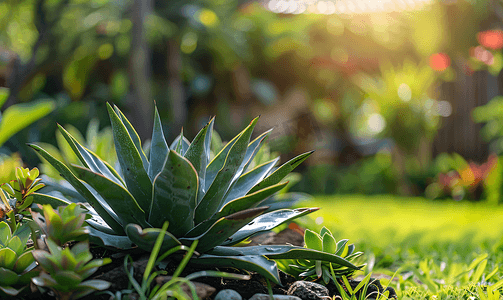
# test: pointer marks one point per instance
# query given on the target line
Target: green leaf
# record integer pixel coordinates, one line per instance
(254, 147)
(285, 201)
(23, 262)
(249, 201)
(267, 222)
(132, 166)
(281, 172)
(7, 277)
(145, 238)
(95, 284)
(184, 144)
(248, 180)
(213, 198)
(4, 95)
(197, 156)
(324, 230)
(207, 142)
(16, 245)
(79, 186)
(90, 159)
(329, 244)
(46, 199)
(133, 135)
(223, 228)
(10, 290)
(68, 279)
(7, 258)
(116, 196)
(289, 252)
(158, 149)
(5, 233)
(218, 161)
(257, 263)
(251, 151)
(19, 116)
(109, 240)
(341, 247)
(313, 240)
(175, 194)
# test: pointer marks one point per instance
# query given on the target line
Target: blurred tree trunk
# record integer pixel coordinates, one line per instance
(140, 102)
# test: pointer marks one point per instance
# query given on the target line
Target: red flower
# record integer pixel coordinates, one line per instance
(492, 39)
(440, 61)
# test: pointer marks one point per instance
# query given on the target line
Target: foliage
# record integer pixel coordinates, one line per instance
(359, 292)
(215, 203)
(369, 175)
(65, 270)
(98, 141)
(8, 165)
(459, 179)
(492, 115)
(62, 225)
(400, 97)
(19, 116)
(17, 265)
(308, 269)
(19, 192)
(172, 288)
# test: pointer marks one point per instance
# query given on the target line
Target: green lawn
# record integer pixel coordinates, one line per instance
(430, 244)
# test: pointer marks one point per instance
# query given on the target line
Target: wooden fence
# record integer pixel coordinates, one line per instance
(459, 133)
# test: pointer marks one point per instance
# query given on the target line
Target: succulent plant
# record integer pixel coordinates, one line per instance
(16, 260)
(215, 202)
(315, 269)
(26, 183)
(63, 224)
(18, 194)
(64, 270)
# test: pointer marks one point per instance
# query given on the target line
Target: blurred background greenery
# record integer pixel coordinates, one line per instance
(397, 97)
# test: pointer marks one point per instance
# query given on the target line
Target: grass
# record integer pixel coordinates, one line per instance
(439, 249)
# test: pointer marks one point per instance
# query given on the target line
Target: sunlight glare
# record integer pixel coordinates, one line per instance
(343, 6)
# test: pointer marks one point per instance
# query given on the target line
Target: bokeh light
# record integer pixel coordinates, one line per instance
(440, 61)
(492, 39)
(343, 6)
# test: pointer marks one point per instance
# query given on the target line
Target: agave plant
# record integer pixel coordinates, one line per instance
(98, 141)
(313, 269)
(64, 270)
(16, 260)
(216, 202)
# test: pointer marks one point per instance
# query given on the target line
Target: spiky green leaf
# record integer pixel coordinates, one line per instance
(175, 194)
(223, 228)
(281, 172)
(47, 199)
(267, 222)
(197, 156)
(213, 198)
(130, 159)
(180, 142)
(158, 149)
(117, 197)
(81, 188)
(248, 180)
(258, 263)
(90, 159)
(133, 135)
